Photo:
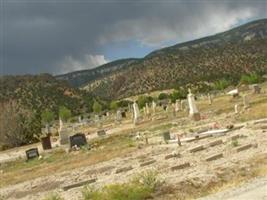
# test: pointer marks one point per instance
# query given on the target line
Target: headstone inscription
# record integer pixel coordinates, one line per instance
(78, 139)
(32, 153)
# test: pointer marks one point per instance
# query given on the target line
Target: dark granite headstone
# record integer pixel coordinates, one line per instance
(78, 139)
(32, 153)
(123, 114)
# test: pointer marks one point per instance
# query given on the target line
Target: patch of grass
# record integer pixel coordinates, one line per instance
(53, 196)
(140, 187)
(235, 143)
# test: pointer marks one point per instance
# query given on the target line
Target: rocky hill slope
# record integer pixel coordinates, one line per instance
(227, 55)
(40, 92)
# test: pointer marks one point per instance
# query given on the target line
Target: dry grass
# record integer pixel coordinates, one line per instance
(58, 161)
(238, 176)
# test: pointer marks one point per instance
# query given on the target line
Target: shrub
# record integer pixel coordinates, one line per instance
(252, 78)
(64, 113)
(113, 105)
(18, 125)
(235, 143)
(221, 84)
(97, 108)
(141, 187)
(163, 96)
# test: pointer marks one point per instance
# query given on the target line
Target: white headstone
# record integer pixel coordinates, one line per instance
(136, 112)
(210, 99)
(118, 115)
(60, 124)
(147, 109)
(80, 119)
(177, 105)
(154, 105)
(193, 111)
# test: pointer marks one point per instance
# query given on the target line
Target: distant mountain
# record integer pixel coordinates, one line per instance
(79, 78)
(224, 55)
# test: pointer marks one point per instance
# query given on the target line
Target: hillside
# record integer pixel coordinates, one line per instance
(42, 92)
(224, 55)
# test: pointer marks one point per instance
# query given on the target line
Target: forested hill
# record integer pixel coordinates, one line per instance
(230, 54)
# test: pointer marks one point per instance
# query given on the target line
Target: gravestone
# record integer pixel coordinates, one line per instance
(123, 114)
(118, 116)
(193, 111)
(32, 153)
(166, 135)
(101, 133)
(177, 105)
(154, 105)
(136, 113)
(210, 99)
(78, 139)
(63, 136)
(245, 101)
(256, 89)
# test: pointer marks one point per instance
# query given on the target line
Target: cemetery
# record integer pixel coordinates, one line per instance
(191, 144)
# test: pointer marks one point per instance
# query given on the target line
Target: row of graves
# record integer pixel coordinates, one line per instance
(149, 111)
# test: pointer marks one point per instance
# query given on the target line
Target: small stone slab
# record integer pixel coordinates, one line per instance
(172, 156)
(181, 166)
(147, 163)
(214, 143)
(79, 184)
(197, 148)
(234, 137)
(214, 157)
(124, 169)
(244, 147)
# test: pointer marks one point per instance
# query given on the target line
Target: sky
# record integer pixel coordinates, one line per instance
(60, 36)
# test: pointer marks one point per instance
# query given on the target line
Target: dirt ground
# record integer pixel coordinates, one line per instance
(241, 153)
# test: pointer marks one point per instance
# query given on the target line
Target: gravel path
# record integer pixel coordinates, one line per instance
(254, 190)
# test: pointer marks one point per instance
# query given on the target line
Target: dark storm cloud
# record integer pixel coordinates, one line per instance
(61, 36)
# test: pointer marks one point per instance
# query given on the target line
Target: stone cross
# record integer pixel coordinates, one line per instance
(193, 111)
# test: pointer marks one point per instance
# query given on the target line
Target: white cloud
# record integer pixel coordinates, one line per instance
(185, 24)
(88, 61)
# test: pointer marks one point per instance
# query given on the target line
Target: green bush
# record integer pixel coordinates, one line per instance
(142, 100)
(97, 108)
(64, 113)
(140, 187)
(252, 78)
(221, 84)
(163, 96)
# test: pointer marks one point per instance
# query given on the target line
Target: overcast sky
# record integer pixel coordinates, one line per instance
(60, 36)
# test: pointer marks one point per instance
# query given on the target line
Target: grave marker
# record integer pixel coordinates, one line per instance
(32, 153)
(193, 111)
(181, 166)
(101, 133)
(214, 157)
(78, 139)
